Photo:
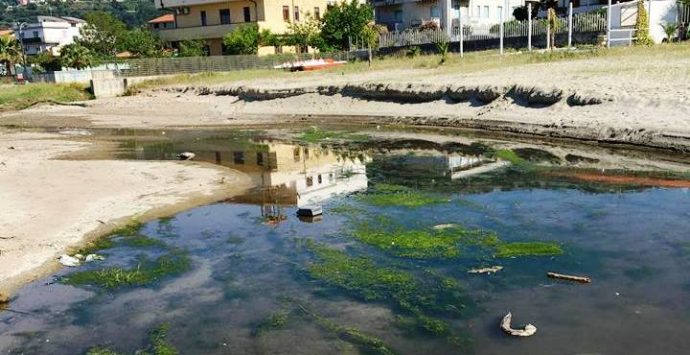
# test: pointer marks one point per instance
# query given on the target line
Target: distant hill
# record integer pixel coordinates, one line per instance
(132, 12)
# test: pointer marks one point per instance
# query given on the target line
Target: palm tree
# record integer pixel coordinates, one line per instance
(10, 52)
(76, 56)
(670, 29)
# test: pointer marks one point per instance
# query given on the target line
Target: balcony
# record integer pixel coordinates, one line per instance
(199, 32)
(163, 4)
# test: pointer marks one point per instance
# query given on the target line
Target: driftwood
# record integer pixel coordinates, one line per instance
(528, 330)
(486, 270)
(581, 279)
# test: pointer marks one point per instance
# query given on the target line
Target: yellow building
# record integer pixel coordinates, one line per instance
(210, 20)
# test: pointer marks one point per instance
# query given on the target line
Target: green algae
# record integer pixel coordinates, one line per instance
(234, 239)
(146, 272)
(509, 250)
(364, 279)
(425, 244)
(141, 241)
(276, 320)
(509, 155)
(130, 229)
(368, 344)
(385, 194)
(101, 350)
(158, 345)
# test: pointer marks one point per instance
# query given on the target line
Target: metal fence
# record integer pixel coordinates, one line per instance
(591, 22)
(163, 66)
(683, 14)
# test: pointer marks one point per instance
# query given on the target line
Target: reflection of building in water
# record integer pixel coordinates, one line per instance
(430, 163)
(288, 174)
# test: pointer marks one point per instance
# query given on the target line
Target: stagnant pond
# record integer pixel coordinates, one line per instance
(385, 269)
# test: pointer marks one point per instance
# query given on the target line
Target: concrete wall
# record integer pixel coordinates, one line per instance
(624, 15)
(108, 87)
(72, 76)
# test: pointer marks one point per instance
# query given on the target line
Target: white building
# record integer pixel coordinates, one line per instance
(50, 34)
(403, 14)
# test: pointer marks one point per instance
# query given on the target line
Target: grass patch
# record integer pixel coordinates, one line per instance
(130, 229)
(509, 250)
(425, 244)
(509, 155)
(101, 350)
(158, 345)
(19, 97)
(145, 273)
(316, 135)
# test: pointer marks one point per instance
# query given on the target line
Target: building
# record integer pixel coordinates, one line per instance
(164, 22)
(404, 14)
(50, 34)
(210, 20)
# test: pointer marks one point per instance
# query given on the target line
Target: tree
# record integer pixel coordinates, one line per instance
(520, 12)
(243, 40)
(642, 37)
(344, 21)
(140, 43)
(553, 23)
(370, 35)
(46, 62)
(76, 56)
(103, 33)
(670, 29)
(192, 48)
(305, 34)
(10, 52)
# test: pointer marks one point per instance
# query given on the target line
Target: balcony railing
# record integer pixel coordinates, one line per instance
(199, 32)
(182, 3)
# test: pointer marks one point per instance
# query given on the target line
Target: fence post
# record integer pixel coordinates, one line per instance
(529, 26)
(462, 36)
(608, 25)
(548, 35)
(570, 25)
(501, 33)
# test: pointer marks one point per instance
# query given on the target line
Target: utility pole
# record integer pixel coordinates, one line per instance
(570, 25)
(608, 26)
(529, 26)
(21, 44)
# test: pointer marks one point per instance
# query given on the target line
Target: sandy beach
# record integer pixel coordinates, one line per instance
(50, 206)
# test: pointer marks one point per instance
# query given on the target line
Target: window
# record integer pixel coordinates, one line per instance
(317, 13)
(306, 153)
(247, 14)
(296, 154)
(203, 18)
(35, 34)
(485, 12)
(260, 159)
(499, 12)
(398, 15)
(155, 26)
(286, 13)
(224, 16)
(310, 181)
(477, 13)
(238, 157)
(296, 13)
(319, 179)
(435, 12)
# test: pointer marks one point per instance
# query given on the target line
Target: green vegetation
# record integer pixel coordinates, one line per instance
(145, 273)
(509, 155)
(23, 96)
(343, 21)
(275, 321)
(425, 244)
(510, 250)
(316, 135)
(396, 195)
(77, 56)
(10, 52)
(367, 343)
(158, 345)
(362, 278)
(98, 244)
(130, 229)
(142, 241)
(642, 36)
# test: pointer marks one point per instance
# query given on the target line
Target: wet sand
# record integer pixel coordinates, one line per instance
(50, 206)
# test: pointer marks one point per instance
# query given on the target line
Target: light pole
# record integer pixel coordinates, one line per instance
(21, 44)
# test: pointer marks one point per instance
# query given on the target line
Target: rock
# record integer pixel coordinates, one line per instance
(486, 270)
(444, 226)
(70, 261)
(186, 156)
(93, 257)
(527, 331)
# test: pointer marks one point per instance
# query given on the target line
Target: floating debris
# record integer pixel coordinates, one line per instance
(527, 331)
(78, 259)
(186, 156)
(486, 270)
(581, 279)
(310, 211)
(444, 226)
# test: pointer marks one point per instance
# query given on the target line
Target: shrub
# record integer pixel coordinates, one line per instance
(243, 40)
(642, 37)
(414, 51)
(670, 29)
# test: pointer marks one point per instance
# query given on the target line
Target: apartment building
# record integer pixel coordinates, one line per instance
(210, 20)
(403, 14)
(49, 34)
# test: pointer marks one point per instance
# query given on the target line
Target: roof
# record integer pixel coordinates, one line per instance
(60, 19)
(163, 19)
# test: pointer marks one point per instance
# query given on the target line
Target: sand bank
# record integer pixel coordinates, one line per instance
(49, 206)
